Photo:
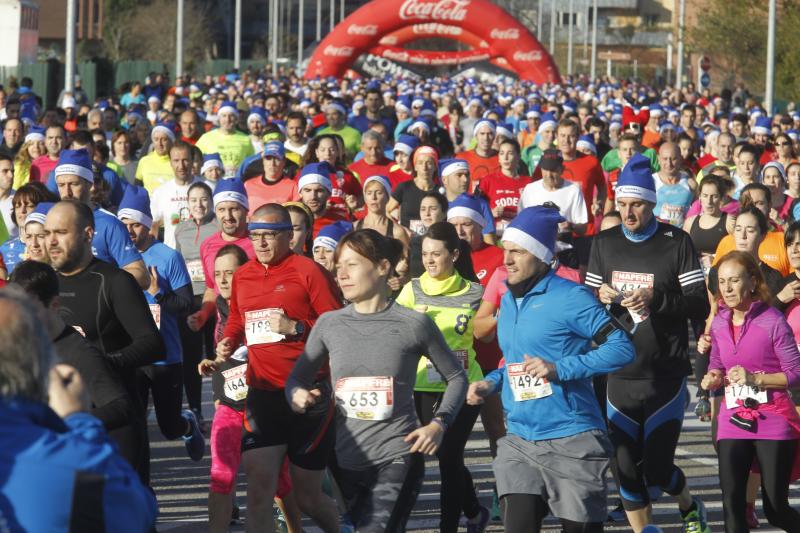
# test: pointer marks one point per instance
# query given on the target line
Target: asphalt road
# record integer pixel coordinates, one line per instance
(181, 485)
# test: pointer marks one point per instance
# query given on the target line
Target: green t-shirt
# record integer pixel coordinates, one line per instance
(351, 138)
(451, 304)
(233, 148)
(611, 161)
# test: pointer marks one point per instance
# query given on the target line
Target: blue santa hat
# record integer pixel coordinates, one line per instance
(548, 120)
(636, 180)
(406, 144)
(505, 130)
(535, 229)
(231, 190)
(420, 124)
(162, 128)
(763, 126)
(337, 105)
(316, 173)
(274, 149)
(228, 107)
(484, 122)
(77, 163)
(467, 206)
(39, 213)
(587, 141)
(135, 205)
(35, 133)
(212, 160)
(330, 235)
(258, 113)
(450, 166)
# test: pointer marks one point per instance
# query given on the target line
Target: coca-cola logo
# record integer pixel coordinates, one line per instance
(434, 28)
(369, 29)
(338, 51)
(455, 10)
(510, 33)
(533, 55)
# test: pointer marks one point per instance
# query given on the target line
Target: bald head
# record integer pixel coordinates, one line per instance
(670, 160)
(271, 213)
(68, 230)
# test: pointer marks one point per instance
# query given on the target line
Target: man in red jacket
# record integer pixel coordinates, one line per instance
(275, 300)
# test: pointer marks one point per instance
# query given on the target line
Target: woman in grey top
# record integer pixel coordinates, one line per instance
(188, 236)
(379, 441)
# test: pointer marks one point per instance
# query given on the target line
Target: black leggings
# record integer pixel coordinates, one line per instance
(524, 513)
(196, 345)
(165, 382)
(457, 491)
(775, 458)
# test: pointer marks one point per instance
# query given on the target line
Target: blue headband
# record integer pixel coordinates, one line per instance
(276, 226)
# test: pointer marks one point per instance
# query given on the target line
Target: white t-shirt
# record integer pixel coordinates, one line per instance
(568, 198)
(299, 150)
(6, 208)
(169, 205)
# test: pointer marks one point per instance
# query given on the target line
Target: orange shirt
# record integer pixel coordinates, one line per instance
(479, 166)
(771, 251)
(651, 139)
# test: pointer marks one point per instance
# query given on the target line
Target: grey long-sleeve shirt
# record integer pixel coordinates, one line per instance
(384, 344)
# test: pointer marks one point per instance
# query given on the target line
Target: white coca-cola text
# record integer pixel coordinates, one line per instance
(532, 55)
(455, 10)
(508, 34)
(434, 28)
(368, 29)
(338, 51)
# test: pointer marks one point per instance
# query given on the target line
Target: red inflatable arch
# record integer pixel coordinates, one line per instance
(422, 31)
(364, 29)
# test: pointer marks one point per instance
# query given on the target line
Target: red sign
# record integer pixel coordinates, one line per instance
(705, 63)
(381, 25)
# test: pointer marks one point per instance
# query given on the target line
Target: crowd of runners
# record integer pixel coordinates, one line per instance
(363, 267)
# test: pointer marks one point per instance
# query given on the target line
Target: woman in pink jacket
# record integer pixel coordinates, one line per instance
(755, 358)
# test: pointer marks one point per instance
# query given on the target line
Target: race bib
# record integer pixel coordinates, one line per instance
(416, 226)
(366, 398)
(672, 214)
(625, 282)
(155, 310)
(195, 268)
(434, 376)
(235, 384)
(256, 327)
(524, 386)
(733, 393)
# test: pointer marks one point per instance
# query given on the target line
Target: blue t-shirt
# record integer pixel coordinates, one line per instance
(12, 251)
(672, 201)
(112, 242)
(172, 275)
(117, 185)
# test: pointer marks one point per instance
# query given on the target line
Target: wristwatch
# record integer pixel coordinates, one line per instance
(299, 329)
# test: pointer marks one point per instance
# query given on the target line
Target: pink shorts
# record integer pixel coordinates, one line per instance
(226, 453)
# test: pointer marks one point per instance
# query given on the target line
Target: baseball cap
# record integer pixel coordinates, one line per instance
(551, 160)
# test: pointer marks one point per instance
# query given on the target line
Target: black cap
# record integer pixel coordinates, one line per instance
(551, 160)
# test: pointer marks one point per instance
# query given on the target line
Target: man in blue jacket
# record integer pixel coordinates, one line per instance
(556, 452)
(59, 470)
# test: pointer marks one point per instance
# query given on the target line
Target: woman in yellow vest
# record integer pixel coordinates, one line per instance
(445, 293)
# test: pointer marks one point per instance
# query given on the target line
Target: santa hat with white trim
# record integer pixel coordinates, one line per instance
(535, 229)
(75, 162)
(466, 206)
(636, 180)
(135, 205)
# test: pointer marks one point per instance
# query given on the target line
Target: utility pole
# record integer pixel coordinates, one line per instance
(237, 36)
(569, 38)
(319, 20)
(69, 56)
(593, 69)
(300, 35)
(770, 86)
(553, 27)
(681, 22)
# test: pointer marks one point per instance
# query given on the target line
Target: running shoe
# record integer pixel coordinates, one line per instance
(195, 442)
(751, 516)
(696, 520)
(478, 524)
